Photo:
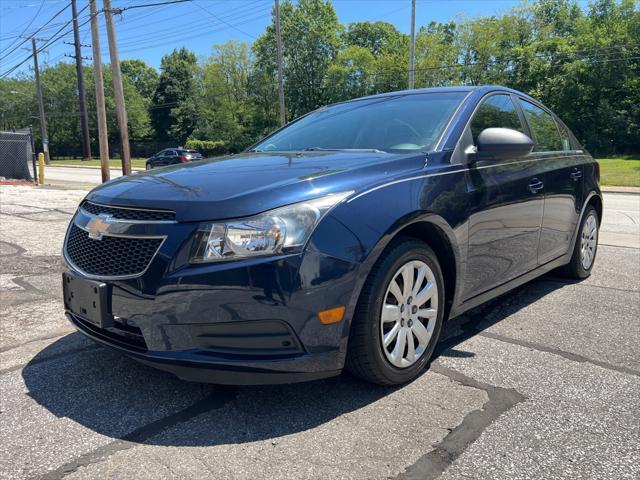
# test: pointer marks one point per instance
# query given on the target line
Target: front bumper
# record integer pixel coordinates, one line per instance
(240, 322)
(199, 367)
(243, 323)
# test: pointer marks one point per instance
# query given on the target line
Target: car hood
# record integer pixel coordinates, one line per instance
(250, 183)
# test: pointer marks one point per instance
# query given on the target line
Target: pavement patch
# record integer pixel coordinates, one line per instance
(335, 428)
(221, 396)
(61, 407)
(579, 420)
(431, 465)
(31, 320)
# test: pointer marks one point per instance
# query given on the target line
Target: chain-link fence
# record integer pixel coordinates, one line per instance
(16, 154)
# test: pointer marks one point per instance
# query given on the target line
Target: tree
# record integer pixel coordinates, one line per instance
(351, 75)
(311, 40)
(174, 98)
(142, 77)
(226, 112)
(377, 37)
(17, 103)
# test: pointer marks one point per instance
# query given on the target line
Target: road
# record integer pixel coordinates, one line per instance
(78, 175)
(543, 382)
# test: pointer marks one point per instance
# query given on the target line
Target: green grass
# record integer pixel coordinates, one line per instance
(620, 171)
(135, 162)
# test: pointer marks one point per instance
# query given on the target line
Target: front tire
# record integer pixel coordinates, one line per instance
(586, 247)
(399, 315)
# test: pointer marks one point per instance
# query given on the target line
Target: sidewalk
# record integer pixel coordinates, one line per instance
(613, 189)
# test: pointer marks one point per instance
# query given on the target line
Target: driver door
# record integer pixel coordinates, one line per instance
(507, 203)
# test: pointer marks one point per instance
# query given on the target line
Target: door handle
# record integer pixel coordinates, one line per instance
(576, 174)
(535, 185)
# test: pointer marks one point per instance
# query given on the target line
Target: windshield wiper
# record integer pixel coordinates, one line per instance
(320, 149)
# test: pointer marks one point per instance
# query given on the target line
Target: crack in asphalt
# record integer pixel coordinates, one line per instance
(25, 216)
(20, 250)
(54, 356)
(434, 463)
(583, 285)
(36, 339)
(616, 246)
(219, 398)
(562, 353)
(469, 331)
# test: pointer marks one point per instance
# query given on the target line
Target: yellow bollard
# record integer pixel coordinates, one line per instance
(41, 168)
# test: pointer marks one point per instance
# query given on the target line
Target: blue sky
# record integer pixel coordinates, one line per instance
(149, 33)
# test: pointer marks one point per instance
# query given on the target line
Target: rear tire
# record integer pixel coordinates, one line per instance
(147, 166)
(585, 249)
(399, 315)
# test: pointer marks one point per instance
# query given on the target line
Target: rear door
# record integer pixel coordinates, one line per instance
(167, 157)
(563, 192)
(506, 207)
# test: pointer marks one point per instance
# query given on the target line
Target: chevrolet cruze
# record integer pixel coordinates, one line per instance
(343, 240)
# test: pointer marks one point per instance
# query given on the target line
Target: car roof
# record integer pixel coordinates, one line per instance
(481, 89)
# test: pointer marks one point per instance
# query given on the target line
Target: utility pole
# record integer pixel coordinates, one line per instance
(412, 45)
(43, 120)
(283, 119)
(82, 98)
(103, 139)
(116, 74)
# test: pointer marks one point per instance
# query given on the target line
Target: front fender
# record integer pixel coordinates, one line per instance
(360, 229)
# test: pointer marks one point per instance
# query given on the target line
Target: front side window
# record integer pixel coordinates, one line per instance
(391, 124)
(497, 111)
(564, 137)
(543, 127)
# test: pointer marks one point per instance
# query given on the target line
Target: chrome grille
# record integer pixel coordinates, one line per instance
(135, 214)
(110, 256)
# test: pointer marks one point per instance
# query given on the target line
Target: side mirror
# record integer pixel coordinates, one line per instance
(502, 144)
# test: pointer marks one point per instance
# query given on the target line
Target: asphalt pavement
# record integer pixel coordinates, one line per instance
(543, 382)
(77, 175)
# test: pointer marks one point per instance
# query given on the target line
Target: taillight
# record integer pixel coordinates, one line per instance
(182, 159)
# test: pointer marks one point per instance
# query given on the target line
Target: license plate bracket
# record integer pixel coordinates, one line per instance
(88, 299)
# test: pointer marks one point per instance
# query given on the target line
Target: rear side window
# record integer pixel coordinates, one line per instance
(497, 111)
(543, 126)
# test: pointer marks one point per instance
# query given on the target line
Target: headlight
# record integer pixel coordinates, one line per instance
(282, 230)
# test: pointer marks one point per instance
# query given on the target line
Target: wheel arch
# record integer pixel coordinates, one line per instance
(595, 201)
(435, 232)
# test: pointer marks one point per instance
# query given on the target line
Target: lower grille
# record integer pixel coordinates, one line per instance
(110, 256)
(120, 335)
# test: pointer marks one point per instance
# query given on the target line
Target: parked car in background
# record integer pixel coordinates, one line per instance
(344, 239)
(171, 156)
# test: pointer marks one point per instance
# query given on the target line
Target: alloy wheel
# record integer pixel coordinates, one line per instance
(409, 313)
(588, 241)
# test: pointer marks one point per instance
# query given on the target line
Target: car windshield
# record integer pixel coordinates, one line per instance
(391, 124)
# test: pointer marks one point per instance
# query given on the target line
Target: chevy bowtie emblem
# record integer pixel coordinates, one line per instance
(98, 226)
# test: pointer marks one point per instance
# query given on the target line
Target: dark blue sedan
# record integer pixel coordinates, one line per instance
(345, 239)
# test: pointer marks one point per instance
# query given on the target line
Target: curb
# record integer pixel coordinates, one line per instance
(613, 189)
(94, 167)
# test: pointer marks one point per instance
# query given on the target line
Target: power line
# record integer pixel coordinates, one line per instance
(30, 22)
(223, 21)
(196, 28)
(143, 5)
(36, 32)
(56, 36)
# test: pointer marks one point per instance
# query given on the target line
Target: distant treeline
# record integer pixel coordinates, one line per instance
(583, 64)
